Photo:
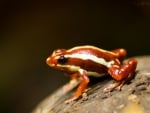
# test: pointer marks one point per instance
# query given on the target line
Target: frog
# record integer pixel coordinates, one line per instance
(81, 62)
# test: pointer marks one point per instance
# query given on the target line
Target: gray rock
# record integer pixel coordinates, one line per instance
(133, 98)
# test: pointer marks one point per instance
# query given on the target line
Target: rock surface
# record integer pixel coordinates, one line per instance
(133, 98)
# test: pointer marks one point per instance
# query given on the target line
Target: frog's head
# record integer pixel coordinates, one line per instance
(57, 58)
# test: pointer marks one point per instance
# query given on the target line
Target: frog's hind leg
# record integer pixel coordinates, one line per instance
(121, 53)
(121, 73)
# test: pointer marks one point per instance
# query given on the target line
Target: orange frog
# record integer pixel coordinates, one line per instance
(84, 61)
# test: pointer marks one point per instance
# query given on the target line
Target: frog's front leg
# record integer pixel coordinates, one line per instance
(75, 80)
(121, 73)
(82, 86)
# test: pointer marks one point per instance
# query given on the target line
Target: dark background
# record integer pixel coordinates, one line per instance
(31, 30)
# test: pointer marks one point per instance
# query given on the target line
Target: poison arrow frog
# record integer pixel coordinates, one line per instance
(84, 61)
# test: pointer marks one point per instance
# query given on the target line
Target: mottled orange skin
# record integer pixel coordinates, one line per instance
(119, 71)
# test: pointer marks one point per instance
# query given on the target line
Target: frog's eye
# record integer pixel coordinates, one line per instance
(62, 59)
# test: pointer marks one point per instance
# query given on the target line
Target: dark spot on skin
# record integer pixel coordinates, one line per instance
(62, 59)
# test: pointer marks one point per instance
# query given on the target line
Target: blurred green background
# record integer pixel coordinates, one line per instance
(31, 30)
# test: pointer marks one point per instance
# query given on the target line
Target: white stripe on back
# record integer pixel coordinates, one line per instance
(93, 58)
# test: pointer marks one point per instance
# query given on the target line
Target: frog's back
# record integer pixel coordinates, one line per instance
(93, 51)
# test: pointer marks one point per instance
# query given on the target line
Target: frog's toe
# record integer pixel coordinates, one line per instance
(71, 100)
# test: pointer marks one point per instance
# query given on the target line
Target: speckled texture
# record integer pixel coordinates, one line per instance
(134, 96)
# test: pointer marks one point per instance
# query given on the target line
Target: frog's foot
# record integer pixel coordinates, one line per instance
(117, 85)
(71, 99)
